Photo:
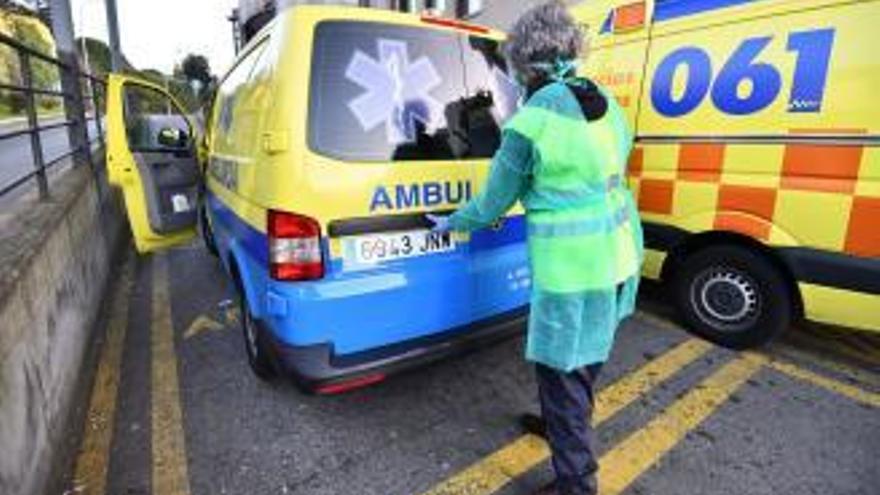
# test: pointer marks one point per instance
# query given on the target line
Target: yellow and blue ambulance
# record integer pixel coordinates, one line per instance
(332, 135)
(756, 166)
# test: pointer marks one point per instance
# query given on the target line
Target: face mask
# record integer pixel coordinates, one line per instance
(556, 71)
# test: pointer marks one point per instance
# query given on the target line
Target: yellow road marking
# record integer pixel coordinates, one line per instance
(632, 386)
(858, 342)
(811, 339)
(865, 377)
(846, 390)
(830, 342)
(90, 476)
(233, 316)
(200, 325)
(637, 453)
(498, 469)
(170, 473)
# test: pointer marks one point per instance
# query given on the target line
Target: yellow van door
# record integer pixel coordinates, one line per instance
(151, 157)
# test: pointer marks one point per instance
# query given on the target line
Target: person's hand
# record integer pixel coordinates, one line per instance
(441, 223)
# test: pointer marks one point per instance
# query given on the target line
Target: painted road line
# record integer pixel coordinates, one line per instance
(90, 474)
(865, 377)
(829, 342)
(838, 387)
(860, 342)
(852, 341)
(514, 459)
(636, 454)
(170, 473)
(812, 340)
(623, 392)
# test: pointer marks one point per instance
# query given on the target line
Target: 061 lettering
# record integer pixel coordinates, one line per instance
(813, 49)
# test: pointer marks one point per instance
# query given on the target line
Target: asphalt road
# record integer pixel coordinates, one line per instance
(16, 158)
(176, 411)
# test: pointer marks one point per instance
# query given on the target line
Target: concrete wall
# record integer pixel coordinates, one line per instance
(55, 260)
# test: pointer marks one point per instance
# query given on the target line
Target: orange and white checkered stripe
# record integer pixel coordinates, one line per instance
(823, 196)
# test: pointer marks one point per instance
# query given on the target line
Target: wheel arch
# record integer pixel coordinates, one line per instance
(241, 277)
(697, 242)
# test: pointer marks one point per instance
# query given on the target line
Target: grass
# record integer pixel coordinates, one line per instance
(6, 112)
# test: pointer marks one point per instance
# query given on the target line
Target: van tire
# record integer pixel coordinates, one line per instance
(254, 341)
(206, 232)
(733, 296)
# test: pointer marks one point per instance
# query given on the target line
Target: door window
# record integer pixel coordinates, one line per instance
(148, 113)
(493, 95)
(232, 112)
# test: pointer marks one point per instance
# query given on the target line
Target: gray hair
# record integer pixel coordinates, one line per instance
(544, 35)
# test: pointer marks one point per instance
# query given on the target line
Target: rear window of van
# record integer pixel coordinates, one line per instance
(383, 93)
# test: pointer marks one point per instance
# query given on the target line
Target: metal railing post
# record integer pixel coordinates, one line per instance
(74, 106)
(27, 76)
(116, 60)
(96, 111)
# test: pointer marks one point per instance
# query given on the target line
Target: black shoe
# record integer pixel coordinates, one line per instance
(533, 424)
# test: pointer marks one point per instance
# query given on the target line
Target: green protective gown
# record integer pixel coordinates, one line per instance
(584, 234)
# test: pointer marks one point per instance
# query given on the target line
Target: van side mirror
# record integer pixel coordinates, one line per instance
(170, 137)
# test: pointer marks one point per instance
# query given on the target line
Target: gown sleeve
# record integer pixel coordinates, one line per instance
(509, 178)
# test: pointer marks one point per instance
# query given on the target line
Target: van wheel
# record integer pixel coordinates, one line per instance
(732, 296)
(254, 343)
(206, 231)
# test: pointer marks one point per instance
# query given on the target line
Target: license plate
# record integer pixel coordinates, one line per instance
(399, 245)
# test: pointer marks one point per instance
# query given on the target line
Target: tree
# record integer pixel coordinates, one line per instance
(178, 88)
(95, 61)
(196, 68)
(98, 56)
(31, 32)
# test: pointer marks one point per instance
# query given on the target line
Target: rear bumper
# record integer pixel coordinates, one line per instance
(316, 367)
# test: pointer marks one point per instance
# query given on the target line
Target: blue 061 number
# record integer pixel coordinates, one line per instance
(813, 50)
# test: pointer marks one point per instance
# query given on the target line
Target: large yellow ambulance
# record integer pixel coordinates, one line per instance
(757, 167)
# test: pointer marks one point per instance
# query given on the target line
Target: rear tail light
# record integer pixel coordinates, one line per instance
(294, 247)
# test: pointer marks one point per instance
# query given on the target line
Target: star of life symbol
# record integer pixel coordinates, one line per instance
(397, 92)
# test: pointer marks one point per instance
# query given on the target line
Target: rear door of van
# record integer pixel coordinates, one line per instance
(500, 268)
(393, 132)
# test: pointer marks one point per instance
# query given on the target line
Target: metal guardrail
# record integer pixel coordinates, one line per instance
(26, 57)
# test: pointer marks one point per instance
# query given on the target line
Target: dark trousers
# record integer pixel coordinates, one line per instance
(567, 401)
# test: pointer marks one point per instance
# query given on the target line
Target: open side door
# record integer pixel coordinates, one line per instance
(151, 156)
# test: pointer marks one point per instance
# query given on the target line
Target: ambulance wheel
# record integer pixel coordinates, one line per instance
(206, 231)
(254, 343)
(732, 296)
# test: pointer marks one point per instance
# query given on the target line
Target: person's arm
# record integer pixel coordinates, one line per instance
(508, 180)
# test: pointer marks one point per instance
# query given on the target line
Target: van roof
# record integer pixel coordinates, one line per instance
(343, 12)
